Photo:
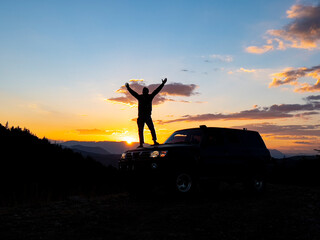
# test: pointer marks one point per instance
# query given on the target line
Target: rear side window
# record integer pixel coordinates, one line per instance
(233, 138)
(254, 140)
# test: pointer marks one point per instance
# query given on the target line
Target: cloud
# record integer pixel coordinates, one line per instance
(291, 76)
(247, 70)
(168, 91)
(136, 80)
(94, 132)
(298, 131)
(302, 32)
(243, 70)
(257, 113)
(259, 50)
(221, 58)
(101, 132)
(312, 98)
(288, 137)
(303, 142)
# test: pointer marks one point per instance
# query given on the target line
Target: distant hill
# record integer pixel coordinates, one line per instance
(276, 153)
(111, 147)
(98, 154)
(96, 150)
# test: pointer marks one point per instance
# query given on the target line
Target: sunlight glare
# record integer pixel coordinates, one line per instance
(129, 140)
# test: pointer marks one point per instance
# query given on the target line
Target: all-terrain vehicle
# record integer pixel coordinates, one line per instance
(190, 157)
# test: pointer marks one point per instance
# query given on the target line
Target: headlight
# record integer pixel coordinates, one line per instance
(123, 156)
(154, 154)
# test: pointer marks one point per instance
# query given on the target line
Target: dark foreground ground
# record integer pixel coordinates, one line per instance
(284, 212)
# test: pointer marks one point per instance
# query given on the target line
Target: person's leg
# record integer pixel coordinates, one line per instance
(140, 122)
(152, 130)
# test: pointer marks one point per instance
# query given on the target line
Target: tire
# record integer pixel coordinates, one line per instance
(184, 183)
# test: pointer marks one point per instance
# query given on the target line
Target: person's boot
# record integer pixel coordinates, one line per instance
(141, 145)
(155, 142)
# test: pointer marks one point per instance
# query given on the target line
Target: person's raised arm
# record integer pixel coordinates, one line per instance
(158, 89)
(133, 93)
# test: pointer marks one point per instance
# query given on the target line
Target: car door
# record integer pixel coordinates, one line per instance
(212, 154)
(235, 156)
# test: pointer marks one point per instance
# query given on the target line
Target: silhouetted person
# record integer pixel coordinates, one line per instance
(144, 110)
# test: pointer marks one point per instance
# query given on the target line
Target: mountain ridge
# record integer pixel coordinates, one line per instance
(96, 150)
(109, 146)
(120, 147)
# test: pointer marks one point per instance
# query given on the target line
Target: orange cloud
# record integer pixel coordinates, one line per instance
(291, 76)
(136, 80)
(312, 107)
(259, 50)
(247, 70)
(99, 132)
(285, 130)
(302, 32)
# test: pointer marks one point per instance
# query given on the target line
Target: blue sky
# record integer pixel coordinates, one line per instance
(60, 62)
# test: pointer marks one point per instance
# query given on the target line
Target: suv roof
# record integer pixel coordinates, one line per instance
(234, 136)
(218, 128)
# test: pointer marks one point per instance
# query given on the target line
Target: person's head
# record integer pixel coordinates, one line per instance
(145, 91)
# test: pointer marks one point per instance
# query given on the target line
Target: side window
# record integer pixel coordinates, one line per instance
(214, 139)
(195, 138)
(233, 138)
(179, 138)
(185, 136)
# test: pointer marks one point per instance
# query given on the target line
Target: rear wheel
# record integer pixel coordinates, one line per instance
(256, 184)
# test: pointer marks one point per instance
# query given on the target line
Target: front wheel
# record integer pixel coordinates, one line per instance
(184, 183)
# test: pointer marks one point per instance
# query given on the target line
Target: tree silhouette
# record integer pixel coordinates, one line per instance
(34, 168)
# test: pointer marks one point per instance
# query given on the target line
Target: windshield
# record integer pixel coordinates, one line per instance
(185, 136)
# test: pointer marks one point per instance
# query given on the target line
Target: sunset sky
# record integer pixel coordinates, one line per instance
(240, 64)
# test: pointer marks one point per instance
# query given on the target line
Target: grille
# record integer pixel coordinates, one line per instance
(129, 156)
(138, 156)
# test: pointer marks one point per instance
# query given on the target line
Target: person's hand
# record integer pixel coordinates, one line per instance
(164, 81)
(127, 85)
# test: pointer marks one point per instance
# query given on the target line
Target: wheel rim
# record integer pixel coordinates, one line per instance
(258, 184)
(183, 182)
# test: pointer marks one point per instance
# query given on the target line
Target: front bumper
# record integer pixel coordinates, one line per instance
(140, 164)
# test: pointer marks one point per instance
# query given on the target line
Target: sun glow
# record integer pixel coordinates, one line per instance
(129, 140)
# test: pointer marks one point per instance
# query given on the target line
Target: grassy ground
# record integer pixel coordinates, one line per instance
(284, 212)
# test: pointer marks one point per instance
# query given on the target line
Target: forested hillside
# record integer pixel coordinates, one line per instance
(33, 168)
